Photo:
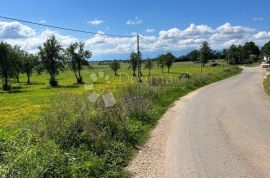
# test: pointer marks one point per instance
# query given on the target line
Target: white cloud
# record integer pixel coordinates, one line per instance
(257, 19)
(42, 21)
(136, 21)
(228, 34)
(190, 32)
(150, 30)
(172, 39)
(13, 30)
(95, 22)
(262, 35)
(227, 28)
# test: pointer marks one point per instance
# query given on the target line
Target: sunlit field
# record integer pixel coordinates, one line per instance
(61, 132)
(28, 101)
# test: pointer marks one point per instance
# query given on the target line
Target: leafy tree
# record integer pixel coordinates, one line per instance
(252, 58)
(233, 54)
(51, 57)
(194, 55)
(149, 65)
(266, 49)
(251, 49)
(237, 55)
(161, 61)
(77, 57)
(6, 64)
(133, 61)
(29, 63)
(205, 52)
(115, 66)
(16, 56)
(169, 58)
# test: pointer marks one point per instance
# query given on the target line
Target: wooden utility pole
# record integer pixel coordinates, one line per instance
(138, 58)
(201, 60)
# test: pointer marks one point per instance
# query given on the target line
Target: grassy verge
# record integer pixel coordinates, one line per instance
(77, 138)
(252, 65)
(266, 84)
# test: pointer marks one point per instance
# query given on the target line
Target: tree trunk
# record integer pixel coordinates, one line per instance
(18, 78)
(28, 79)
(134, 72)
(80, 77)
(115, 73)
(53, 81)
(168, 70)
(6, 87)
(149, 72)
(162, 69)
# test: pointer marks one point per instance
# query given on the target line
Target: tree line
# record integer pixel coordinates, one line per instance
(241, 54)
(51, 57)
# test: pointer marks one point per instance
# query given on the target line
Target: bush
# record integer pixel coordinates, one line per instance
(184, 76)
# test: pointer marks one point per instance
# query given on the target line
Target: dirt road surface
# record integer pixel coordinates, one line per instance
(221, 130)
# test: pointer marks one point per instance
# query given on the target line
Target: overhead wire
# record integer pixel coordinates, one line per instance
(64, 28)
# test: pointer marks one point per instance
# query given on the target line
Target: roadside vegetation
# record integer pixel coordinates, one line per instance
(50, 128)
(266, 84)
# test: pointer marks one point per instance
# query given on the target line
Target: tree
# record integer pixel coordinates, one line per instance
(77, 57)
(5, 64)
(149, 66)
(133, 61)
(194, 55)
(205, 53)
(266, 49)
(169, 58)
(51, 56)
(115, 66)
(232, 55)
(252, 58)
(251, 48)
(161, 61)
(29, 63)
(238, 55)
(16, 55)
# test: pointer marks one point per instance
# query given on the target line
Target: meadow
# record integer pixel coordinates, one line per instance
(57, 132)
(28, 101)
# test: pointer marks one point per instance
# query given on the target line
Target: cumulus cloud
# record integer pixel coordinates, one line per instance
(262, 35)
(227, 28)
(95, 21)
(136, 21)
(257, 19)
(190, 32)
(171, 39)
(14, 30)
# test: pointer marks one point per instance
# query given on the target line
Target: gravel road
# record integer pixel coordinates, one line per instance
(221, 130)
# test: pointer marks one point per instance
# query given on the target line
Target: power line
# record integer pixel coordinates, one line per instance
(63, 28)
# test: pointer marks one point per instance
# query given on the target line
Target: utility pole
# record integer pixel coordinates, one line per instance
(138, 58)
(201, 60)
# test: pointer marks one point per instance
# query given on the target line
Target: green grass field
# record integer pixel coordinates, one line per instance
(28, 101)
(58, 132)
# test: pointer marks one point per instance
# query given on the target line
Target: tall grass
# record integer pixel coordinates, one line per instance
(266, 84)
(77, 138)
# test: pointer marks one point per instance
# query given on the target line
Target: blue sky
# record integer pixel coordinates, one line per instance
(164, 22)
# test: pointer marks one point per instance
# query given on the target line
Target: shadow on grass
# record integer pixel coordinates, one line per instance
(75, 85)
(12, 91)
(34, 83)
